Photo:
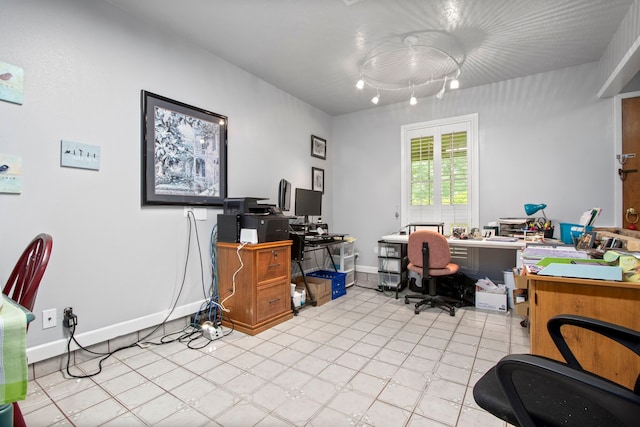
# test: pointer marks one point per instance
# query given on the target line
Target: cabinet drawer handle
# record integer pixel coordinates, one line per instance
(274, 300)
(274, 265)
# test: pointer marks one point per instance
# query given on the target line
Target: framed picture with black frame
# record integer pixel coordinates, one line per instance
(318, 147)
(184, 153)
(317, 179)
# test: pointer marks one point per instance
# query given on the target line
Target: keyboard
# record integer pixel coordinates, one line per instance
(319, 239)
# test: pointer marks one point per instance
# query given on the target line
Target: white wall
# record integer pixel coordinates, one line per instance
(545, 138)
(119, 265)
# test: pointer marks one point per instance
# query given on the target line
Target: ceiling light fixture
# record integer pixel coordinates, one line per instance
(413, 100)
(425, 59)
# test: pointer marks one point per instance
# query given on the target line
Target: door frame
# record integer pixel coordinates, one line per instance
(617, 130)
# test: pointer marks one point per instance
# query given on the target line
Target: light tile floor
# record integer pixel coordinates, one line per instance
(364, 359)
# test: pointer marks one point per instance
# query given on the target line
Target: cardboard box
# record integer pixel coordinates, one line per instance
(520, 279)
(491, 301)
(319, 289)
(521, 305)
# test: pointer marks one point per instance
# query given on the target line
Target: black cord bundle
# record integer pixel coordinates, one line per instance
(189, 333)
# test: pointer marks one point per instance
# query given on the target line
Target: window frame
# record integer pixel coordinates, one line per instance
(471, 122)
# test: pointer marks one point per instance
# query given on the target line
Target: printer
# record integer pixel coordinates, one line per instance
(247, 213)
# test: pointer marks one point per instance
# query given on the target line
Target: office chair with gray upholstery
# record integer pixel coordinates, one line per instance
(528, 390)
(431, 249)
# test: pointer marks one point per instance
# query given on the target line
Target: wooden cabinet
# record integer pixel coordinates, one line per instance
(614, 302)
(258, 277)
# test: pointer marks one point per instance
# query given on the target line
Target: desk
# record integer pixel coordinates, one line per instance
(614, 302)
(492, 256)
(465, 243)
(301, 246)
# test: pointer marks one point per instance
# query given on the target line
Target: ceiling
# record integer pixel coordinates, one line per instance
(313, 49)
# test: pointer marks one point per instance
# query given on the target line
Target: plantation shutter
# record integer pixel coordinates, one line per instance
(439, 183)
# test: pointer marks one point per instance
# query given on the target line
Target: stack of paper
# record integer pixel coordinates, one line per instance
(589, 217)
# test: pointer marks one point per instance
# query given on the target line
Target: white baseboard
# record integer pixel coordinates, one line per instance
(56, 348)
(366, 269)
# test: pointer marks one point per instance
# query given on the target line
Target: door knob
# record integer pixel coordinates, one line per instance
(631, 215)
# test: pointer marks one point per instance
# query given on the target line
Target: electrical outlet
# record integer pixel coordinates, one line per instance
(200, 214)
(49, 318)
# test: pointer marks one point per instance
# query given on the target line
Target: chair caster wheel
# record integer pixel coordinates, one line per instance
(406, 300)
(452, 311)
(416, 311)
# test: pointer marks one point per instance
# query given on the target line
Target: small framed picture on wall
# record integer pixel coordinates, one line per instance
(318, 147)
(317, 179)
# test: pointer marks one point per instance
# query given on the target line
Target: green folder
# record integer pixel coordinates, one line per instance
(546, 261)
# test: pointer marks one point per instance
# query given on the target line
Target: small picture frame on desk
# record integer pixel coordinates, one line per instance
(489, 232)
(586, 241)
(458, 230)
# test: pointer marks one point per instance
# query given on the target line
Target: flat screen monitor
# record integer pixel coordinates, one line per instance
(308, 203)
(284, 195)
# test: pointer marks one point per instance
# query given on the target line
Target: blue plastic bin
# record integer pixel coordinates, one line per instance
(569, 233)
(338, 281)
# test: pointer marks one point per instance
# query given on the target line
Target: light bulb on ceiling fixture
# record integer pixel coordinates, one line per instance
(360, 83)
(413, 100)
(376, 98)
(454, 84)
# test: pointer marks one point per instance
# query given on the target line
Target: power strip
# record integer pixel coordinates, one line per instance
(211, 332)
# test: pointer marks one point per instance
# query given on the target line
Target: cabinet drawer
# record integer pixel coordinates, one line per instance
(273, 264)
(273, 300)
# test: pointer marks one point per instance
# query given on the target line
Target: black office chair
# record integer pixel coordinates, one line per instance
(430, 249)
(527, 390)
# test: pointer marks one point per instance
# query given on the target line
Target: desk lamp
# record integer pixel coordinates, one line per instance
(531, 209)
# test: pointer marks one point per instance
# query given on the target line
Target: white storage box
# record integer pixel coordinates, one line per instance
(390, 249)
(491, 301)
(392, 265)
(346, 248)
(349, 281)
(389, 280)
(349, 263)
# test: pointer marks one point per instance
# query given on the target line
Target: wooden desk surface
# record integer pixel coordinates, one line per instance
(614, 302)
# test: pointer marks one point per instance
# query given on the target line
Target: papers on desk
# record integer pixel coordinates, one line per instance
(502, 239)
(536, 253)
(566, 261)
(589, 217)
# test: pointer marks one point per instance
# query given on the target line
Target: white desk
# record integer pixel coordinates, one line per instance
(465, 243)
(477, 258)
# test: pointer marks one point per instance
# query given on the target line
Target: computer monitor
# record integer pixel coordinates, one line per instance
(284, 195)
(308, 203)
